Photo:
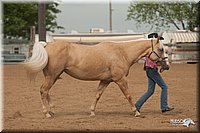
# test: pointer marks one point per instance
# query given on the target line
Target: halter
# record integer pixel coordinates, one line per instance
(160, 59)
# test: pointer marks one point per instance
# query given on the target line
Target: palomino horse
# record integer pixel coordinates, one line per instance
(106, 62)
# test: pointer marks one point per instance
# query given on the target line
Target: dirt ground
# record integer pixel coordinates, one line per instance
(23, 111)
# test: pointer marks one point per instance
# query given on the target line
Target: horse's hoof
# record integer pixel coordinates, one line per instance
(92, 114)
(51, 113)
(137, 114)
(48, 115)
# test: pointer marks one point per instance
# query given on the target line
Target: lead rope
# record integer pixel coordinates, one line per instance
(144, 67)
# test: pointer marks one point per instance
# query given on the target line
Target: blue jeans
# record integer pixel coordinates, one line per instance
(153, 78)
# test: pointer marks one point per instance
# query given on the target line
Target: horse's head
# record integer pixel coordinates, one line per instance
(158, 52)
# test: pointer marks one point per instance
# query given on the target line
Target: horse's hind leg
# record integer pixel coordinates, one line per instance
(44, 91)
(100, 89)
(50, 103)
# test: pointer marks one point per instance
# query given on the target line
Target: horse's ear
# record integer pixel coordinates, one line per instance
(159, 38)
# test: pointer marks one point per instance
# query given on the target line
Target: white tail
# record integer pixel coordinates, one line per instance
(38, 60)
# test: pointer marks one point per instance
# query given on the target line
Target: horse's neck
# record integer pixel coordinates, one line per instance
(137, 50)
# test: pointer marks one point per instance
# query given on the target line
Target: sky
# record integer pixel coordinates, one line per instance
(82, 16)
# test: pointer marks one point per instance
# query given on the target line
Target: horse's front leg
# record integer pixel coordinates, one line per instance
(100, 90)
(122, 83)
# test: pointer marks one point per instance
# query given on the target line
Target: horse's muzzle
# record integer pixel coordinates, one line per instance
(164, 65)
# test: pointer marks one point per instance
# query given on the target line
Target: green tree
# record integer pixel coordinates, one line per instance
(181, 15)
(18, 18)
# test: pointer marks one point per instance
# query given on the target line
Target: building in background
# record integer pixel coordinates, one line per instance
(183, 46)
(17, 49)
(14, 49)
(97, 30)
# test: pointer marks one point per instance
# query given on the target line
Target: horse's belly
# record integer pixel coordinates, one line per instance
(89, 75)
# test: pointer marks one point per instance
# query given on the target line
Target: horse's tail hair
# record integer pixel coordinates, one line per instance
(37, 61)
